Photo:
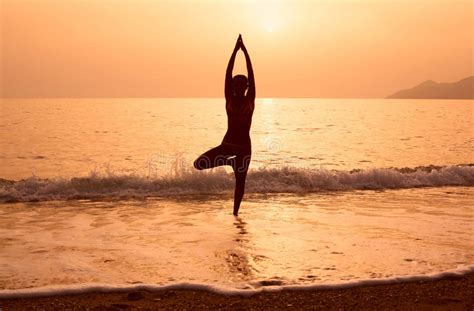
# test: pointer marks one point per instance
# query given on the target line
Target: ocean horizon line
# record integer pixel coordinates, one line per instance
(222, 97)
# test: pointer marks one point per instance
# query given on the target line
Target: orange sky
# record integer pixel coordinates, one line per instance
(175, 48)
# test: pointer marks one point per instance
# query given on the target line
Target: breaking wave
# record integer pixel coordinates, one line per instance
(224, 290)
(266, 180)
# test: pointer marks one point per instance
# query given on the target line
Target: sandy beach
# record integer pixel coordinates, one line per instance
(454, 293)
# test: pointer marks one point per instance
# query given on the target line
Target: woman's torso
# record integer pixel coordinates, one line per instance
(239, 121)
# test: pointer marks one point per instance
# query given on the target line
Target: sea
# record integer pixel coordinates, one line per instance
(101, 194)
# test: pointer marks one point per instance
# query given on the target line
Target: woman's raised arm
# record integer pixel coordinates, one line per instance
(230, 67)
(251, 93)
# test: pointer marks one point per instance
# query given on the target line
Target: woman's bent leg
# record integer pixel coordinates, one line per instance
(217, 156)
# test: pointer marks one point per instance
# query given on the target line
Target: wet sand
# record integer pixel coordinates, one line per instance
(454, 293)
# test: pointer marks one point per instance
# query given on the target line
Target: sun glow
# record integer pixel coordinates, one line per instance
(271, 18)
(268, 25)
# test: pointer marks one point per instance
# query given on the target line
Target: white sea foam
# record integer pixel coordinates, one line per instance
(249, 289)
(265, 180)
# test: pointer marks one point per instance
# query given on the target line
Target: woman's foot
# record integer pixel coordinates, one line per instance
(231, 162)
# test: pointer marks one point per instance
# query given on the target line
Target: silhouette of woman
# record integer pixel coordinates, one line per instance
(235, 149)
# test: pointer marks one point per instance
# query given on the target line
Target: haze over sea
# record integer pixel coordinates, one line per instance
(340, 190)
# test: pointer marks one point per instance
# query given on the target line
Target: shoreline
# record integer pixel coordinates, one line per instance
(453, 292)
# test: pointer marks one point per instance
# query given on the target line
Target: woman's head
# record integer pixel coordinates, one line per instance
(239, 85)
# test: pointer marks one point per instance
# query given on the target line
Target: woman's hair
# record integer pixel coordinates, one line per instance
(240, 77)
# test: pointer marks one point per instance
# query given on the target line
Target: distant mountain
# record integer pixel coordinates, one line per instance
(463, 89)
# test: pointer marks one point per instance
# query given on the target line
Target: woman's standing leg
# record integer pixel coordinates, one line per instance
(241, 166)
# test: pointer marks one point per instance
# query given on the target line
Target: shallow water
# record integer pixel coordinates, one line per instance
(278, 240)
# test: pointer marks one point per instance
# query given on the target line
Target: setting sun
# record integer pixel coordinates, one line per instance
(268, 25)
(274, 17)
(270, 19)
